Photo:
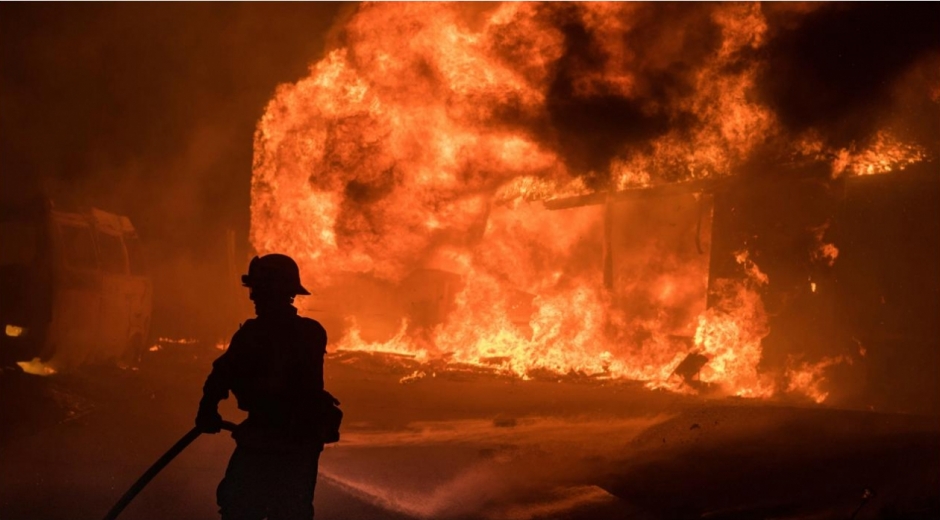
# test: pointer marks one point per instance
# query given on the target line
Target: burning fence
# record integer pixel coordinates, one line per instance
(535, 188)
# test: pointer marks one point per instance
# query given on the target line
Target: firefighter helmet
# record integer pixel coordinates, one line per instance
(274, 272)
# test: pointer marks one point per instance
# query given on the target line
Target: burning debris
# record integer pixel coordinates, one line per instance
(36, 367)
(428, 139)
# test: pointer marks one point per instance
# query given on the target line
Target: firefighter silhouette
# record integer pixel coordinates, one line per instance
(274, 367)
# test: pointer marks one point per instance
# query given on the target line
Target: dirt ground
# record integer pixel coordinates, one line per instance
(468, 445)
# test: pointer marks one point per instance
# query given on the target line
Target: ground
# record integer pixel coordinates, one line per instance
(468, 445)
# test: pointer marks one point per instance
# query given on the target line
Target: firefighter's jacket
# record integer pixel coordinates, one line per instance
(274, 366)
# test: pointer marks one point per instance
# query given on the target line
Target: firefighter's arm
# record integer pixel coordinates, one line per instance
(216, 388)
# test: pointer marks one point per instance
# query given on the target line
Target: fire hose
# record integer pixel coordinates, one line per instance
(161, 463)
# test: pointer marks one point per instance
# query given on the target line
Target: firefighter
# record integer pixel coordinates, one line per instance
(274, 367)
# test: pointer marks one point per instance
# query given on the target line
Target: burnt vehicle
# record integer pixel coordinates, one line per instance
(73, 286)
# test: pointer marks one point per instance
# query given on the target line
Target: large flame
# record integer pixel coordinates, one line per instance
(423, 143)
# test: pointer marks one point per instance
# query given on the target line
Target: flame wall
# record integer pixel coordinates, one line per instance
(415, 155)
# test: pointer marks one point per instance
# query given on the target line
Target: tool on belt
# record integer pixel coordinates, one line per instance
(161, 463)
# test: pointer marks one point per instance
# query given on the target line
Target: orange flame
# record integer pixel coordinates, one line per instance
(730, 336)
(402, 151)
(824, 252)
(885, 153)
(809, 378)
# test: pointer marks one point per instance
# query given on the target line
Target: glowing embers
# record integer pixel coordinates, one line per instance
(164, 342)
(15, 331)
(178, 341)
(36, 367)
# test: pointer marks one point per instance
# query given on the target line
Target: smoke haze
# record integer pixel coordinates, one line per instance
(148, 110)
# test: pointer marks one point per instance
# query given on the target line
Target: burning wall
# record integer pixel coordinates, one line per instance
(429, 138)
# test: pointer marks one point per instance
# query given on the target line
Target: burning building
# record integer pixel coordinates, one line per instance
(551, 190)
(599, 260)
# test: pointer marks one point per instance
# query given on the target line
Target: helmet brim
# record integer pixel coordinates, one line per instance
(300, 290)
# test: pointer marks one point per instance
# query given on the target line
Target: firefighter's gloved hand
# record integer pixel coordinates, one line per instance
(209, 420)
